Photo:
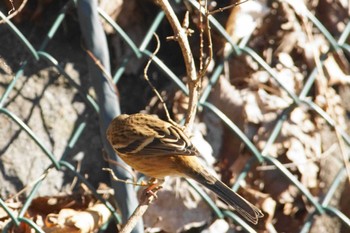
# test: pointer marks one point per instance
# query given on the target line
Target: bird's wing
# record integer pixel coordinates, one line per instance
(163, 143)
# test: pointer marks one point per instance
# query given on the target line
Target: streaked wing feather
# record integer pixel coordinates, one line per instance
(158, 148)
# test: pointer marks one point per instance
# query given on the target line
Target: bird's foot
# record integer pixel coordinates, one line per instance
(154, 186)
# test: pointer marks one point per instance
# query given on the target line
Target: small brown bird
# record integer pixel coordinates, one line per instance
(158, 148)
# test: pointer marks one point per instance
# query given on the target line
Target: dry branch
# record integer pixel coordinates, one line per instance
(181, 37)
(13, 12)
(138, 213)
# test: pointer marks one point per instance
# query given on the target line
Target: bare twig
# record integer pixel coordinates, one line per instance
(138, 213)
(227, 7)
(13, 12)
(115, 178)
(121, 165)
(204, 67)
(181, 35)
(31, 184)
(75, 179)
(201, 37)
(99, 64)
(146, 198)
(145, 75)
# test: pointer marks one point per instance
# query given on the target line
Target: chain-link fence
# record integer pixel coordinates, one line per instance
(247, 46)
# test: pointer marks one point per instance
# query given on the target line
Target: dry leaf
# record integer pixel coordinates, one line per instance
(336, 75)
(218, 226)
(286, 60)
(244, 18)
(69, 220)
(268, 102)
(252, 109)
(268, 206)
(309, 171)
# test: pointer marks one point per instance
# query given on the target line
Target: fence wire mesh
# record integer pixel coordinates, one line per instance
(337, 44)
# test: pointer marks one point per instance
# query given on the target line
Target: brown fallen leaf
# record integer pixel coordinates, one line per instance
(336, 74)
(85, 221)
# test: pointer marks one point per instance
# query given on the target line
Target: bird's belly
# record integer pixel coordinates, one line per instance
(157, 166)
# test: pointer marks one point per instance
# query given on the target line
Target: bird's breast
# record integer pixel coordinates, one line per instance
(161, 166)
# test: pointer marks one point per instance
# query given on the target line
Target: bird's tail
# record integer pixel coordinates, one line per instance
(242, 206)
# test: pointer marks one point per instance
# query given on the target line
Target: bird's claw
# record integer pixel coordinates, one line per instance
(152, 191)
(153, 187)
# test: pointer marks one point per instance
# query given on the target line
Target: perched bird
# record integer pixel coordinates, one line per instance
(158, 148)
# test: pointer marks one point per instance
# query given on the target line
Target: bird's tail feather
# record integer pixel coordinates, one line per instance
(242, 206)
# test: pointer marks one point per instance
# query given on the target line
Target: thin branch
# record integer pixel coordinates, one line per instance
(13, 12)
(100, 66)
(227, 7)
(181, 36)
(204, 69)
(115, 178)
(145, 75)
(201, 37)
(31, 184)
(138, 213)
(121, 165)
